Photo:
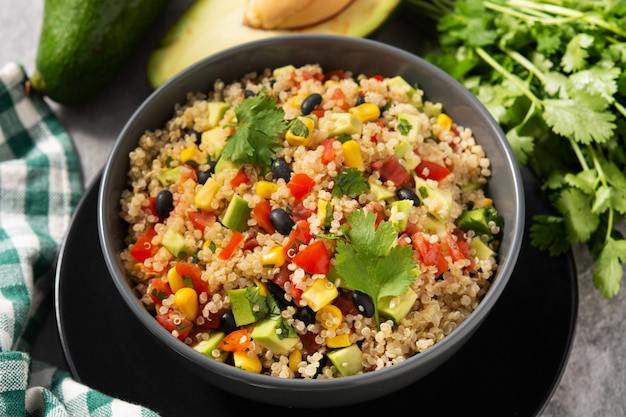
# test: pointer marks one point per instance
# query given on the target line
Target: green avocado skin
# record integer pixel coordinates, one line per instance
(83, 43)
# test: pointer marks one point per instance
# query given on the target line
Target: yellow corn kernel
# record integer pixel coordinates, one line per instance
(297, 100)
(295, 357)
(367, 112)
(261, 286)
(191, 155)
(323, 208)
(248, 363)
(444, 121)
(265, 189)
(339, 341)
(352, 155)
(186, 300)
(275, 258)
(205, 195)
(321, 293)
(301, 131)
(175, 280)
(329, 316)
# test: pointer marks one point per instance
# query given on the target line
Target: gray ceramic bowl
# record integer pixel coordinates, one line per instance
(358, 55)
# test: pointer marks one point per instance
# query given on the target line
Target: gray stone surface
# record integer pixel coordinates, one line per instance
(594, 380)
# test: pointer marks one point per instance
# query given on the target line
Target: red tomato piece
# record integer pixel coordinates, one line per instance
(143, 248)
(377, 77)
(301, 234)
(319, 113)
(300, 185)
(453, 248)
(314, 258)
(329, 154)
(191, 271)
(390, 169)
(431, 170)
(231, 246)
(240, 178)
(295, 293)
(201, 219)
(261, 213)
(182, 327)
(158, 290)
(282, 276)
(299, 212)
(338, 74)
(236, 341)
(340, 99)
(429, 253)
(309, 345)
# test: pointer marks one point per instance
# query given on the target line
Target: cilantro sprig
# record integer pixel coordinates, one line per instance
(553, 74)
(256, 138)
(370, 262)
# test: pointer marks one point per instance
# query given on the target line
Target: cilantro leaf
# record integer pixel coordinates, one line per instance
(370, 262)
(350, 182)
(256, 138)
(607, 271)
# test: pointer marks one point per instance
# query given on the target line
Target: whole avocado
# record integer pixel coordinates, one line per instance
(83, 44)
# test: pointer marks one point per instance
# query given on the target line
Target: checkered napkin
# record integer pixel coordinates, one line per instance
(40, 186)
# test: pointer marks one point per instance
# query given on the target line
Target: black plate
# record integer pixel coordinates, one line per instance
(510, 367)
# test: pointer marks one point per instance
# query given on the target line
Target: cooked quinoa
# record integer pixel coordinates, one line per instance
(204, 228)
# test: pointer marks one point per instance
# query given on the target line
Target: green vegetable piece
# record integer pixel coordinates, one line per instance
(478, 220)
(207, 347)
(83, 44)
(237, 214)
(437, 201)
(379, 191)
(248, 305)
(481, 249)
(169, 176)
(344, 123)
(414, 98)
(274, 334)
(400, 216)
(224, 164)
(404, 150)
(397, 307)
(347, 360)
(216, 110)
(350, 182)
(408, 122)
(213, 140)
(175, 243)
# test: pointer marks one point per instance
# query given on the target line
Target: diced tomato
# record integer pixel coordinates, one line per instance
(453, 248)
(390, 169)
(309, 345)
(300, 185)
(261, 213)
(190, 271)
(314, 258)
(236, 341)
(201, 219)
(378, 209)
(183, 328)
(152, 206)
(340, 99)
(376, 137)
(158, 290)
(329, 154)
(301, 234)
(295, 293)
(431, 170)
(377, 77)
(187, 173)
(345, 304)
(231, 246)
(240, 178)
(143, 248)
(429, 253)
(318, 112)
(282, 276)
(339, 74)
(299, 212)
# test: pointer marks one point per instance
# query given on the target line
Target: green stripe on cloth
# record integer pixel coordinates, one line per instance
(40, 187)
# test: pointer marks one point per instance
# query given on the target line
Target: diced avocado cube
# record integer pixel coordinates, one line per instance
(414, 98)
(432, 109)
(223, 164)
(213, 141)
(237, 214)
(210, 346)
(274, 334)
(216, 110)
(344, 123)
(405, 152)
(347, 360)
(175, 243)
(433, 225)
(481, 249)
(169, 176)
(396, 308)
(319, 294)
(287, 70)
(438, 202)
(379, 191)
(247, 304)
(408, 122)
(399, 214)
(478, 220)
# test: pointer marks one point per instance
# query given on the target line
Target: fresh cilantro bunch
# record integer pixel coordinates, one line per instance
(552, 73)
(369, 260)
(256, 138)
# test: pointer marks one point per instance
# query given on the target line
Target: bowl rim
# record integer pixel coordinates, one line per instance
(464, 330)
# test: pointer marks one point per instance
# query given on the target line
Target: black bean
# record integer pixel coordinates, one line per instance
(205, 175)
(164, 203)
(227, 322)
(278, 293)
(248, 93)
(305, 315)
(310, 103)
(408, 194)
(363, 303)
(360, 100)
(195, 134)
(281, 169)
(281, 220)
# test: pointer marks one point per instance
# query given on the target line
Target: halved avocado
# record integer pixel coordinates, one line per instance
(210, 26)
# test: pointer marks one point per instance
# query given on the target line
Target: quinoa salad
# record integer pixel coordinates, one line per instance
(305, 222)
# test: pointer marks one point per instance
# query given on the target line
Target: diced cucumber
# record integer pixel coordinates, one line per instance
(396, 308)
(408, 122)
(213, 141)
(216, 110)
(344, 123)
(169, 176)
(274, 334)
(379, 191)
(414, 98)
(437, 201)
(175, 243)
(347, 360)
(399, 216)
(237, 214)
(207, 347)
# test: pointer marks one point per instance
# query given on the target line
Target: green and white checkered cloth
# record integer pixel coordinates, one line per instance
(40, 186)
